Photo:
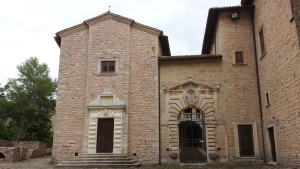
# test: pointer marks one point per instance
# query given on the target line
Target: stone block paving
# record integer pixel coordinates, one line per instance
(43, 163)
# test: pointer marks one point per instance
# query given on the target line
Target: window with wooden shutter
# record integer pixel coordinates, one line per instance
(239, 58)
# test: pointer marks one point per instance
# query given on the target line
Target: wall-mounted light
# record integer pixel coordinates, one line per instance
(234, 15)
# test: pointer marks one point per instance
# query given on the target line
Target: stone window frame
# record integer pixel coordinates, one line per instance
(99, 64)
(236, 137)
(262, 44)
(109, 63)
(291, 13)
(268, 103)
(244, 58)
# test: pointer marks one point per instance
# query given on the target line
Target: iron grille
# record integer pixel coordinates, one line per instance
(192, 141)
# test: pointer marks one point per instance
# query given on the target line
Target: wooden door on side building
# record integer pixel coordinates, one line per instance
(105, 135)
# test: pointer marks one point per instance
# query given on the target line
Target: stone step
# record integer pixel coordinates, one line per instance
(70, 166)
(102, 156)
(248, 159)
(99, 159)
(100, 162)
(95, 154)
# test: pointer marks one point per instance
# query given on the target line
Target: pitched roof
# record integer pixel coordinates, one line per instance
(109, 15)
(189, 57)
(211, 22)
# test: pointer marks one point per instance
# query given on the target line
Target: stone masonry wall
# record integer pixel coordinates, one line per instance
(279, 75)
(35, 148)
(109, 39)
(70, 106)
(175, 72)
(240, 100)
(5, 143)
(143, 105)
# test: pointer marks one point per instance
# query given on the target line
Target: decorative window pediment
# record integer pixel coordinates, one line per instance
(190, 84)
(106, 99)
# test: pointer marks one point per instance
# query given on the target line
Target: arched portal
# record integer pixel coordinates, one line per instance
(192, 141)
(191, 95)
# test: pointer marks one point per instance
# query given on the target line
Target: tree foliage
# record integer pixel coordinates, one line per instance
(28, 102)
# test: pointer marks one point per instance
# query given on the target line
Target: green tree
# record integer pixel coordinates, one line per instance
(29, 102)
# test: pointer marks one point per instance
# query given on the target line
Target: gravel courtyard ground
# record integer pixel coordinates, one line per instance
(42, 163)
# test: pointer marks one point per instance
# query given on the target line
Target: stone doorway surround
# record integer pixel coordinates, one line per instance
(199, 96)
(107, 105)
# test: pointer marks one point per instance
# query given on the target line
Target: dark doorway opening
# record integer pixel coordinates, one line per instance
(192, 136)
(246, 140)
(105, 134)
(273, 146)
(2, 155)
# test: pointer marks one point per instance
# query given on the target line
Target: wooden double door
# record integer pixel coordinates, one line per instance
(105, 135)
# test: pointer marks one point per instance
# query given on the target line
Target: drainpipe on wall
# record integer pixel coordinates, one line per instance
(158, 64)
(258, 86)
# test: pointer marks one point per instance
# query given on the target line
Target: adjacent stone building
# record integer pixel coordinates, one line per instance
(121, 91)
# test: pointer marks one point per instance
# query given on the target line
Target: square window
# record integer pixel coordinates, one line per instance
(262, 42)
(239, 58)
(107, 66)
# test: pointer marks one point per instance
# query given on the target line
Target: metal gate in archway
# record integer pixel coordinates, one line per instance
(192, 140)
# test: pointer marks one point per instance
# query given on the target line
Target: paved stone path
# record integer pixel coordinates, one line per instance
(42, 163)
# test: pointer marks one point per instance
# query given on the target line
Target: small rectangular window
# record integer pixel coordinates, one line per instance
(239, 58)
(268, 99)
(262, 42)
(291, 9)
(107, 66)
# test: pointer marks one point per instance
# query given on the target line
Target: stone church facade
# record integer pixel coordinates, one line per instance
(121, 91)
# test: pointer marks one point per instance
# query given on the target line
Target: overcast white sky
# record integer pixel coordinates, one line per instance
(27, 27)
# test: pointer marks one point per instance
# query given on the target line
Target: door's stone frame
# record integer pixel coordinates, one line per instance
(96, 113)
(204, 99)
(236, 137)
(117, 111)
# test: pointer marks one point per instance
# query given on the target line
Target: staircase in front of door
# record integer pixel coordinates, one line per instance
(99, 160)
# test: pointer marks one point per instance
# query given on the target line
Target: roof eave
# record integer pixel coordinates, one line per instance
(211, 22)
(102, 17)
(191, 57)
(164, 41)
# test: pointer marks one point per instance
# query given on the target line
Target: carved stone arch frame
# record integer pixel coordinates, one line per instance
(116, 110)
(203, 98)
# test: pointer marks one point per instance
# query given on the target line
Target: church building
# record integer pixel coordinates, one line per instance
(122, 93)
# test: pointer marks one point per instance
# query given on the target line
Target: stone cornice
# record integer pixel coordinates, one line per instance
(107, 107)
(147, 29)
(103, 17)
(72, 30)
(106, 16)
